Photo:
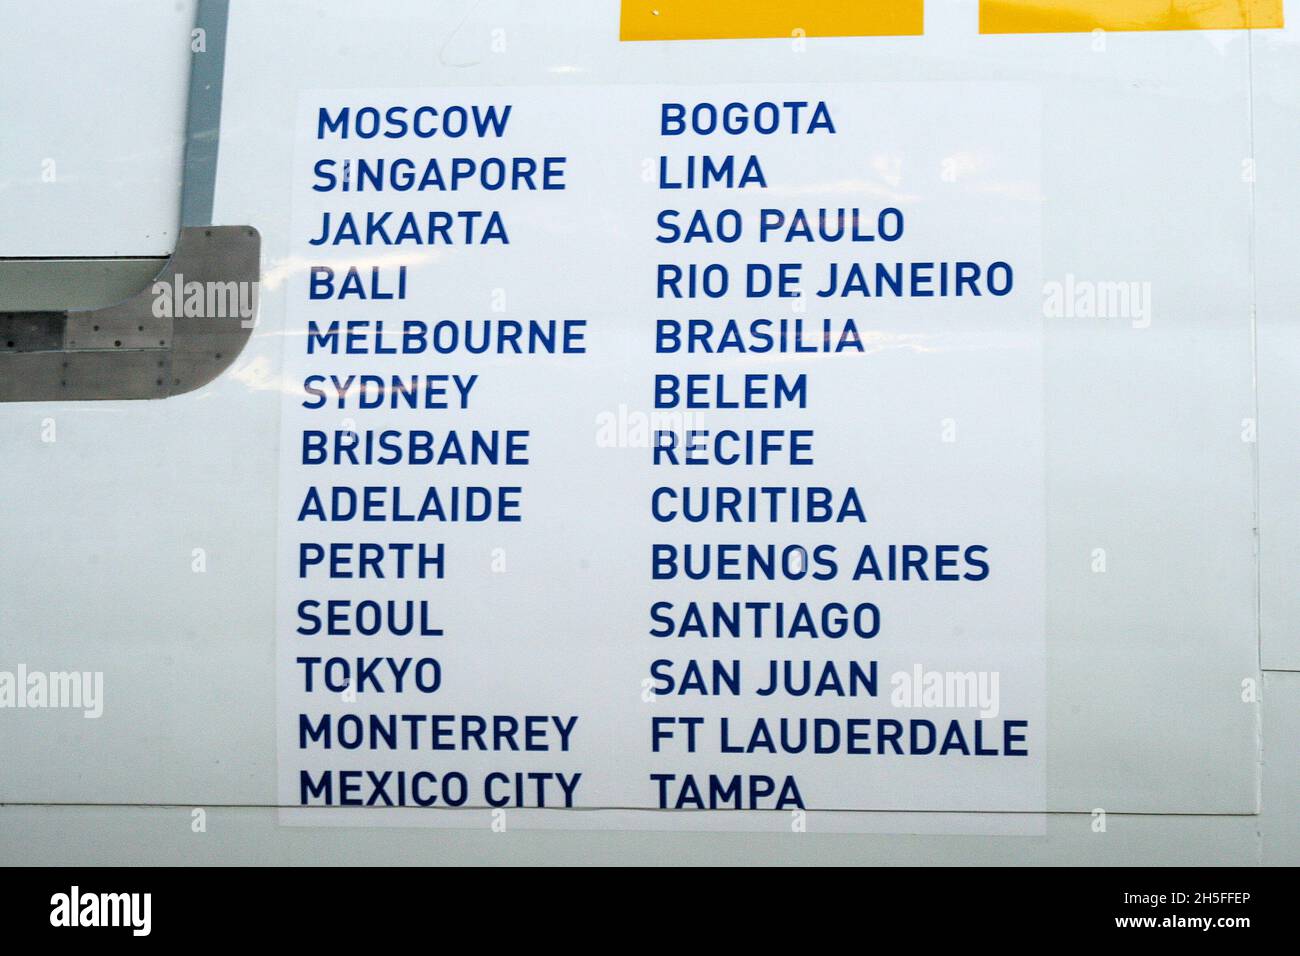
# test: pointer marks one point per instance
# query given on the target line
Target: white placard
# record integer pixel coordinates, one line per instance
(806, 316)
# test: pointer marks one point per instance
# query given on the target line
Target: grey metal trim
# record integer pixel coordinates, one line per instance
(146, 346)
(203, 114)
(59, 285)
(188, 325)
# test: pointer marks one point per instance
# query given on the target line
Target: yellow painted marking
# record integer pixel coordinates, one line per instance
(1084, 16)
(753, 19)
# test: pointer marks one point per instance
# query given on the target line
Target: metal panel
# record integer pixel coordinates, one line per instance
(1275, 68)
(58, 284)
(1143, 458)
(127, 351)
(93, 112)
